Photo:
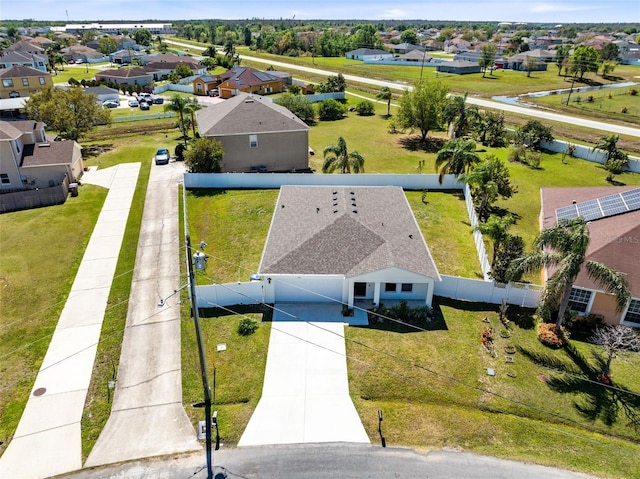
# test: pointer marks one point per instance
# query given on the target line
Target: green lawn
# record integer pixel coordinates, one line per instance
(34, 284)
(434, 392)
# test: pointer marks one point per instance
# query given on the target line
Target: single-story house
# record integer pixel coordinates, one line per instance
(473, 56)
(519, 61)
(614, 230)
(346, 244)
(125, 57)
(20, 81)
(416, 56)
(405, 47)
(11, 59)
(256, 134)
(368, 54)
(167, 63)
(459, 67)
(84, 53)
(102, 93)
(29, 161)
(249, 80)
(127, 76)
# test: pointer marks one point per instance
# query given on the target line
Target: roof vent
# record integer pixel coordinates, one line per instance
(335, 211)
(355, 211)
(411, 236)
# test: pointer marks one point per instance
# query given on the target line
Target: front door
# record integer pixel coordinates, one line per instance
(359, 290)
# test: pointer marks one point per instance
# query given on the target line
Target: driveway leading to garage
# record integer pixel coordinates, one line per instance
(305, 396)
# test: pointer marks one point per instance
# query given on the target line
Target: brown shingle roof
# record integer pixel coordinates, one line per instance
(614, 241)
(125, 72)
(53, 153)
(245, 114)
(318, 230)
(242, 77)
(21, 71)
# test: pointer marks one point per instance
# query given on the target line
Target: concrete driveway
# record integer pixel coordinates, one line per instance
(305, 396)
(147, 418)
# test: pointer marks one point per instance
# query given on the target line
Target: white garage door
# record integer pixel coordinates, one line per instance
(312, 289)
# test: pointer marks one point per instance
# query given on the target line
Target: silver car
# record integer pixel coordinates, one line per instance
(162, 157)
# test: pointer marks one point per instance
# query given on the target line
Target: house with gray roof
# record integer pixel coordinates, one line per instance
(368, 54)
(256, 134)
(346, 244)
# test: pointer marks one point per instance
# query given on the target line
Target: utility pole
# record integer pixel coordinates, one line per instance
(203, 362)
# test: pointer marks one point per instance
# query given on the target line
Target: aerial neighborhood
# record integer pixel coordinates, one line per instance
(318, 233)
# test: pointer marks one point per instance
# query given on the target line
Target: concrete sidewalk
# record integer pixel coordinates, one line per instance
(47, 440)
(305, 396)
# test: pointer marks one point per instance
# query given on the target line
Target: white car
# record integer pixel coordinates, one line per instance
(133, 103)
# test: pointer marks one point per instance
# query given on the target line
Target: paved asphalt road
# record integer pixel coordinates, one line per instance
(613, 128)
(320, 461)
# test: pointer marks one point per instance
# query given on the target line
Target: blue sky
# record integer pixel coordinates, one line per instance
(566, 11)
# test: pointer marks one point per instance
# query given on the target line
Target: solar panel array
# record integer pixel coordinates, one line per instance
(603, 207)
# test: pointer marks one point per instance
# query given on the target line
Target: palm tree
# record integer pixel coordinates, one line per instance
(385, 95)
(496, 228)
(178, 105)
(456, 157)
(339, 157)
(488, 180)
(564, 247)
(458, 115)
(608, 144)
(190, 108)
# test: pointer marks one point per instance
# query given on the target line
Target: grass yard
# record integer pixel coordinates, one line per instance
(34, 284)
(448, 400)
(77, 73)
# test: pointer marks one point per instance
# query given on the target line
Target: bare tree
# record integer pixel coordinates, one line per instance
(614, 339)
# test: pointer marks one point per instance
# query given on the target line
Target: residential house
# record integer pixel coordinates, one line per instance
(20, 81)
(102, 93)
(206, 85)
(84, 53)
(127, 76)
(29, 161)
(405, 47)
(249, 80)
(456, 45)
(521, 61)
(346, 244)
(368, 54)
(42, 42)
(125, 57)
(416, 56)
(167, 63)
(10, 59)
(614, 229)
(458, 67)
(25, 47)
(473, 56)
(256, 134)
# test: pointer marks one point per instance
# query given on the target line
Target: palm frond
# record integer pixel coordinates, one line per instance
(611, 280)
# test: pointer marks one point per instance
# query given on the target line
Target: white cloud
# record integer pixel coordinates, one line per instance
(393, 14)
(559, 7)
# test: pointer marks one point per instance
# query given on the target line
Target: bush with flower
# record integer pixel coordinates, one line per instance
(551, 336)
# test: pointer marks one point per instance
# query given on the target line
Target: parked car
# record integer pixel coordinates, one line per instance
(144, 105)
(134, 103)
(110, 104)
(162, 157)
(79, 61)
(158, 100)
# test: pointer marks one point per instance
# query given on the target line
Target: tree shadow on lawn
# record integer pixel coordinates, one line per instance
(205, 192)
(593, 399)
(96, 150)
(415, 143)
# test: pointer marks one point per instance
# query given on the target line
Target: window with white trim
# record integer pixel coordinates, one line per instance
(41, 79)
(253, 141)
(4, 179)
(407, 287)
(633, 312)
(25, 82)
(7, 82)
(579, 300)
(390, 287)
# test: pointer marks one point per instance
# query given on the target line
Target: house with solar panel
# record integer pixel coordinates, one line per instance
(613, 219)
(346, 244)
(248, 80)
(257, 135)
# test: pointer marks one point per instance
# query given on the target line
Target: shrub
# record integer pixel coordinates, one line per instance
(633, 92)
(180, 148)
(402, 313)
(365, 108)
(590, 99)
(247, 326)
(625, 109)
(551, 336)
(329, 110)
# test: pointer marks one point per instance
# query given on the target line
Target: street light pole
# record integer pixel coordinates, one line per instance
(203, 362)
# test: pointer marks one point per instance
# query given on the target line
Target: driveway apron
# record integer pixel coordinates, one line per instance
(147, 418)
(47, 440)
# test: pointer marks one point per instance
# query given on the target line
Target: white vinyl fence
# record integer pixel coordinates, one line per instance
(587, 153)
